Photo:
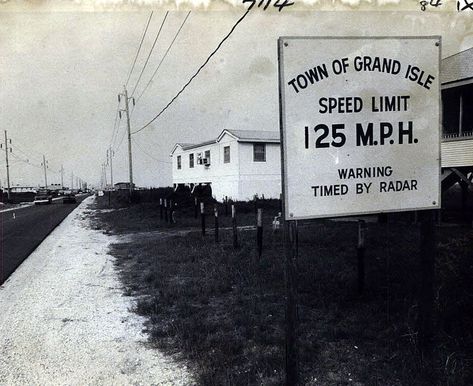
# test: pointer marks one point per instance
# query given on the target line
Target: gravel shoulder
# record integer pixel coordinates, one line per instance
(64, 320)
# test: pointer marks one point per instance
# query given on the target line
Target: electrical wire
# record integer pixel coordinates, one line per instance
(121, 141)
(149, 155)
(28, 150)
(25, 161)
(139, 48)
(196, 73)
(114, 132)
(150, 52)
(164, 56)
(17, 148)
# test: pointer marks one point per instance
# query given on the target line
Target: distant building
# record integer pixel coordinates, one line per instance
(238, 164)
(55, 187)
(457, 117)
(19, 194)
(22, 189)
(123, 186)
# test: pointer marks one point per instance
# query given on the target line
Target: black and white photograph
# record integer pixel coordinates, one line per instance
(227, 193)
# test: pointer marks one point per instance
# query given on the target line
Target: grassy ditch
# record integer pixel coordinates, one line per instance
(222, 309)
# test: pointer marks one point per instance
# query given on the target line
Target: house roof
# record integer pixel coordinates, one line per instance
(252, 135)
(239, 135)
(182, 145)
(457, 67)
(193, 145)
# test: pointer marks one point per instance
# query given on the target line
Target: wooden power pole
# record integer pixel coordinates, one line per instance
(45, 172)
(110, 154)
(7, 164)
(130, 162)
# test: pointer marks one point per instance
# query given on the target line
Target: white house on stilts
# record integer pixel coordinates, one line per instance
(238, 165)
(457, 139)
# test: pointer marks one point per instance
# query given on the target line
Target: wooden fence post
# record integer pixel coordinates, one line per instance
(202, 215)
(166, 210)
(216, 223)
(171, 211)
(234, 227)
(361, 255)
(259, 232)
(160, 208)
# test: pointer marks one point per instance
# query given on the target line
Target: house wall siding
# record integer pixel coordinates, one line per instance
(223, 177)
(457, 153)
(240, 179)
(261, 178)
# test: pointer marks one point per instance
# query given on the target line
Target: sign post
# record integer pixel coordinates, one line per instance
(360, 134)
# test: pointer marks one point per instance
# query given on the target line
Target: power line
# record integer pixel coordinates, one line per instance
(139, 48)
(164, 56)
(19, 159)
(195, 75)
(21, 151)
(27, 148)
(150, 52)
(115, 129)
(121, 140)
(149, 155)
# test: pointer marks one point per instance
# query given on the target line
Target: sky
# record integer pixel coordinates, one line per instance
(61, 71)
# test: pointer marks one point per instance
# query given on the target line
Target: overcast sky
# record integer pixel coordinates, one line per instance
(60, 74)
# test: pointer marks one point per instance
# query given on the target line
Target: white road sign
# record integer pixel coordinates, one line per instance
(360, 123)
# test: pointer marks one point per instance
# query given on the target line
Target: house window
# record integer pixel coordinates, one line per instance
(191, 160)
(226, 154)
(259, 152)
(207, 156)
(178, 161)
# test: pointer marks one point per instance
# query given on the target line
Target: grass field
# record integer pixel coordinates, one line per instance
(222, 309)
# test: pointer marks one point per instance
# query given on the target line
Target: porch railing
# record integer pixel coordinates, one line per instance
(453, 136)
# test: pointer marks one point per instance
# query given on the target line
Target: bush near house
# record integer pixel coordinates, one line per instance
(222, 309)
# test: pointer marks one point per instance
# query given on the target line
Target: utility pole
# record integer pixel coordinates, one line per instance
(45, 172)
(8, 166)
(62, 176)
(130, 162)
(104, 171)
(72, 180)
(110, 154)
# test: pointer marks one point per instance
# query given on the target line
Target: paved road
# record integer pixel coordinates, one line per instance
(22, 230)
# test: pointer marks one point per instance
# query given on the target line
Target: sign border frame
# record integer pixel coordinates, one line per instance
(282, 123)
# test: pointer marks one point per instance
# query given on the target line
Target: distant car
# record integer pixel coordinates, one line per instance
(43, 196)
(69, 197)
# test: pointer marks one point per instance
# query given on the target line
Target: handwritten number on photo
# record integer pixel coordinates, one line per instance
(432, 3)
(280, 4)
(463, 5)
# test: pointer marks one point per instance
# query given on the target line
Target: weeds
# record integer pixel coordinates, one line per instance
(222, 309)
